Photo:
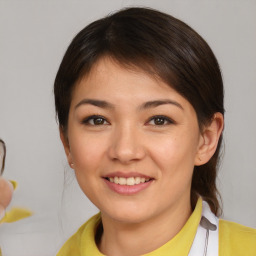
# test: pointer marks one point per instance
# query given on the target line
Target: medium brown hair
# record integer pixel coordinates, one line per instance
(162, 46)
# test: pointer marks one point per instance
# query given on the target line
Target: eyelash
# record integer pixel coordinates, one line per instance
(167, 120)
(163, 120)
(87, 120)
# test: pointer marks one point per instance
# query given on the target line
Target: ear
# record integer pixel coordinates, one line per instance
(66, 146)
(209, 139)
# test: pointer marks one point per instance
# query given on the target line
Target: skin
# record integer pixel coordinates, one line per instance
(129, 138)
(6, 191)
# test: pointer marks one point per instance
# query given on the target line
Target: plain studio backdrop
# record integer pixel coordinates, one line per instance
(34, 35)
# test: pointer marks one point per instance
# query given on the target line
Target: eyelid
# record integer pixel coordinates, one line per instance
(168, 119)
(88, 118)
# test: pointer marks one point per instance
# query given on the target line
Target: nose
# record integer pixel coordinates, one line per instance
(126, 145)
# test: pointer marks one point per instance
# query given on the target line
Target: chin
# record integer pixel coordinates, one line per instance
(129, 217)
(128, 214)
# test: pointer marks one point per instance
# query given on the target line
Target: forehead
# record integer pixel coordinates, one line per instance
(120, 86)
(108, 71)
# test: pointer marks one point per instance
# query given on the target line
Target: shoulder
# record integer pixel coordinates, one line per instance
(236, 239)
(73, 244)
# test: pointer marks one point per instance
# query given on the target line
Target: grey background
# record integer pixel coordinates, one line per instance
(33, 37)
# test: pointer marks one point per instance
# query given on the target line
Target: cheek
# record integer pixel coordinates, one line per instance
(87, 151)
(175, 153)
(174, 160)
(87, 155)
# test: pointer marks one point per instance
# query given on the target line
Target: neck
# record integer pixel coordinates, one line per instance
(129, 239)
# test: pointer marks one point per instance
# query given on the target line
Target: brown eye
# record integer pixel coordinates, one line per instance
(95, 120)
(160, 120)
(98, 121)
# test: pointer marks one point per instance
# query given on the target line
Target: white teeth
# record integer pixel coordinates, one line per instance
(137, 180)
(128, 181)
(122, 181)
(116, 180)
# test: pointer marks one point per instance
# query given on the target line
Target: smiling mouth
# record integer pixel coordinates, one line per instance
(131, 181)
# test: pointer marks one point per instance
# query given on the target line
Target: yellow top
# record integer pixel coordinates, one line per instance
(234, 239)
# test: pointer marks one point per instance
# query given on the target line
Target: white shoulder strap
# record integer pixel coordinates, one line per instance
(206, 242)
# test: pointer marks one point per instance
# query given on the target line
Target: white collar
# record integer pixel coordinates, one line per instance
(206, 241)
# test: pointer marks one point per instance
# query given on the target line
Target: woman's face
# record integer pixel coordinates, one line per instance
(127, 127)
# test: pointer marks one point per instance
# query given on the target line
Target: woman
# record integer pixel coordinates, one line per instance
(139, 99)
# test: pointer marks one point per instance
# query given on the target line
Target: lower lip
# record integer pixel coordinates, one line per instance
(126, 189)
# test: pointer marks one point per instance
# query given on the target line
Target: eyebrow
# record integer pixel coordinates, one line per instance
(156, 103)
(97, 103)
(146, 105)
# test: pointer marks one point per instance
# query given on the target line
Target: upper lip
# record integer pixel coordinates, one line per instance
(126, 175)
